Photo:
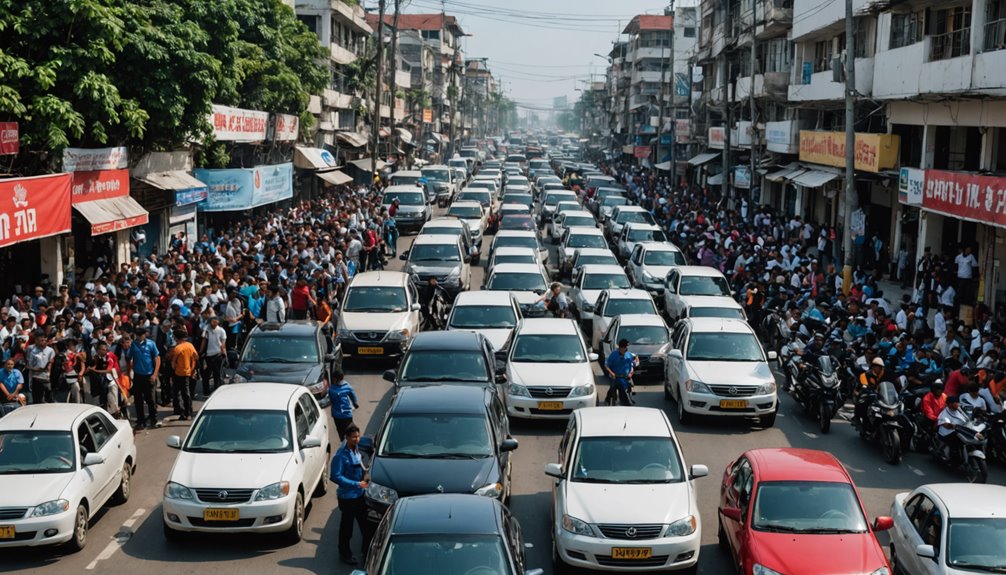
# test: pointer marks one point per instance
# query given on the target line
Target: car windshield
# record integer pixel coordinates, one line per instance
(720, 346)
(437, 366)
(445, 554)
(977, 544)
(240, 431)
(522, 199)
(807, 507)
(586, 241)
(578, 221)
(518, 281)
(626, 460)
(643, 334)
(439, 435)
(723, 312)
(469, 212)
(664, 258)
(605, 281)
(517, 222)
(704, 285)
(434, 253)
(516, 242)
(550, 348)
(611, 201)
(375, 299)
(405, 198)
(515, 259)
(442, 231)
(606, 259)
(625, 306)
(646, 236)
(480, 197)
(439, 175)
(398, 180)
(264, 347)
(635, 218)
(483, 317)
(553, 199)
(32, 452)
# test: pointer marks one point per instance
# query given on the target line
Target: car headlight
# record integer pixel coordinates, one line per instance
(518, 390)
(575, 526)
(274, 491)
(178, 491)
(582, 390)
(50, 508)
(696, 387)
(681, 527)
(882, 571)
(318, 388)
(344, 333)
(760, 569)
(398, 335)
(381, 493)
(766, 388)
(492, 490)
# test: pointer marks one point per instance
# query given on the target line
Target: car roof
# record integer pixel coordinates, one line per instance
(602, 269)
(402, 188)
(380, 278)
(631, 293)
(584, 231)
(659, 247)
(446, 341)
(483, 298)
(443, 223)
(516, 268)
(46, 416)
(642, 226)
(795, 464)
(622, 422)
(291, 327)
(718, 324)
(447, 514)
(515, 251)
(579, 212)
(970, 499)
(595, 252)
(436, 239)
(442, 399)
(465, 204)
(699, 271)
(253, 396)
(516, 234)
(632, 319)
(715, 301)
(547, 326)
(410, 173)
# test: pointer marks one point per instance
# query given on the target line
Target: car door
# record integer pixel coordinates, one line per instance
(515, 541)
(926, 529)
(501, 430)
(598, 322)
(566, 446)
(675, 372)
(308, 457)
(413, 314)
(608, 341)
(97, 478)
(318, 426)
(108, 438)
(904, 536)
(636, 265)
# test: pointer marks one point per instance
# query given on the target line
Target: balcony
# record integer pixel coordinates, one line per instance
(821, 87)
(403, 79)
(333, 99)
(770, 85)
(952, 44)
(650, 76)
(777, 18)
(341, 55)
(651, 52)
(995, 35)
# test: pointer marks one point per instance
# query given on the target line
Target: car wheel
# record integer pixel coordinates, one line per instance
(296, 530)
(322, 488)
(172, 535)
(79, 539)
(125, 484)
(684, 418)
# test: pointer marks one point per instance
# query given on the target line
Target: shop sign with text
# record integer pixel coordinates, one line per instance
(782, 137)
(10, 139)
(717, 137)
(286, 128)
(95, 159)
(968, 196)
(243, 189)
(910, 186)
(33, 208)
(873, 153)
(239, 125)
(99, 185)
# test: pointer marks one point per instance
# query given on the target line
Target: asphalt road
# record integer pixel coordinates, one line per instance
(128, 539)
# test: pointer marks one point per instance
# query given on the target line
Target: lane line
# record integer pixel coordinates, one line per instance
(118, 540)
(918, 472)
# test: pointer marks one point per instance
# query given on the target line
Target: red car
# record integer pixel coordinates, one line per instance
(797, 512)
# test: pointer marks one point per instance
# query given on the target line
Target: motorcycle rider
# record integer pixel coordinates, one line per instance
(972, 402)
(868, 380)
(951, 416)
(934, 402)
(620, 363)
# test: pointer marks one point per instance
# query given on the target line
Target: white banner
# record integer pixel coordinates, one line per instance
(95, 159)
(910, 185)
(287, 128)
(238, 125)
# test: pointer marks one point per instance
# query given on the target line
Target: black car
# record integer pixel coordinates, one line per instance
(298, 352)
(437, 534)
(438, 357)
(440, 439)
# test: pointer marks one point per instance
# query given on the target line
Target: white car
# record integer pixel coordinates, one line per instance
(624, 499)
(608, 204)
(518, 239)
(494, 314)
(587, 256)
(588, 285)
(379, 314)
(717, 367)
(485, 184)
(473, 214)
(616, 302)
(627, 214)
(714, 306)
(252, 460)
(949, 529)
(683, 283)
(574, 239)
(634, 233)
(577, 218)
(442, 257)
(525, 281)
(549, 370)
(649, 263)
(60, 463)
(414, 208)
(552, 198)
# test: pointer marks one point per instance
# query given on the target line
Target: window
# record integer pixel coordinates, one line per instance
(310, 410)
(303, 428)
(101, 430)
(689, 32)
(431, 34)
(822, 55)
(776, 55)
(907, 29)
(920, 512)
(85, 439)
(864, 37)
(933, 529)
(310, 21)
(951, 33)
(995, 25)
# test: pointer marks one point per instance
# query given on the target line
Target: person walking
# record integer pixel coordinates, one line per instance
(184, 360)
(214, 349)
(350, 475)
(145, 362)
(301, 299)
(344, 401)
(40, 360)
(275, 308)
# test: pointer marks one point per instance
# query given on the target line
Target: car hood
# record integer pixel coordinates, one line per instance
(475, 224)
(497, 337)
(552, 374)
(525, 297)
(229, 470)
(658, 272)
(302, 373)
(818, 554)
(731, 372)
(709, 300)
(665, 503)
(415, 476)
(410, 210)
(590, 295)
(647, 350)
(29, 490)
(428, 269)
(373, 321)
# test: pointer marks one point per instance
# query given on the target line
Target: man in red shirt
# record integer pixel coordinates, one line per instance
(300, 299)
(958, 381)
(934, 402)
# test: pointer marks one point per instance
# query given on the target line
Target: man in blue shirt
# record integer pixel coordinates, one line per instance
(344, 401)
(11, 382)
(145, 362)
(349, 474)
(620, 365)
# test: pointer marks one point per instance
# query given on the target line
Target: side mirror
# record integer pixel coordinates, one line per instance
(592, 357)
(927, 551)
(588, 307)
(732, 513)
(404, 257)
(509, 444)
(174, 442)
(92, 459)
(415, 307)
(883, 523)
(310, 442)
(468, 259)
(698, 471)
(367, 444)
(553, 470)
(772, 356)
(389, 375)
(675, 353)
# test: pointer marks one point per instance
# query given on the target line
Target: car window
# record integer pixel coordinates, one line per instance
(911, 506)
(567, 438)
(84, 438)
(717, 346)
(921, 513)
(100, 431)
(933, 528)
(310, 410)
(303, 427)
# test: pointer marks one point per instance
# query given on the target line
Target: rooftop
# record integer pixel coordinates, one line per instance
(647, 22)
(622, 421)
(418, 22)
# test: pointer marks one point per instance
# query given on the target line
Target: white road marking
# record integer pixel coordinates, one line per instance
(118, 540)
(918, 472)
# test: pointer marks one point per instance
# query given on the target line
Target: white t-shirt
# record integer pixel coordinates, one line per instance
(964, 265)
(957, 417)
(970, 404)
(215, 339)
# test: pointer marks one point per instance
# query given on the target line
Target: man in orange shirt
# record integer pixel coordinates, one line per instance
(934, 402)
(322, 311)
(183, 367)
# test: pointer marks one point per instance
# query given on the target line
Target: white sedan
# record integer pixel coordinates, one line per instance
(254, 456)
(549, 370)
(59, 464)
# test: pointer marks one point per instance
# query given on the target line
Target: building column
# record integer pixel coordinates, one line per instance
(122, 245)
(52, 258)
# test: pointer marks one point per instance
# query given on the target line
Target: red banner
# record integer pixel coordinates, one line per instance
(641, 151)
(9, 138)
(32, 208)
(968, 196)
(99, 185)
(124, 224)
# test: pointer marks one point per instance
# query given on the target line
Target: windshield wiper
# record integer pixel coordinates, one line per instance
(440, 378)
(987, 568)
(645, 481)
(780, 528)
(455, 456)
(827, 531)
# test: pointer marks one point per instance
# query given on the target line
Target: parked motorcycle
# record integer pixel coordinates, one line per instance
(997, 436)
(882, 419)
(970, 457)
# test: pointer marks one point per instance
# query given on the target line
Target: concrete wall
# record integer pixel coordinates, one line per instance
(811, 15)
(951, 113)
(822, 87)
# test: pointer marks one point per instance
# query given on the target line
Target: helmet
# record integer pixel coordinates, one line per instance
(878, 362)
(936, 384)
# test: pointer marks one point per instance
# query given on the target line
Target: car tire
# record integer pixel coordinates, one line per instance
(172, 535)
(125, 484)
(78, 540)
(322, 488)
(684, 418)
(296, 531)
(767, 421)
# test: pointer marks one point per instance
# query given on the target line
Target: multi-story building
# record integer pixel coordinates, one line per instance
(649, 50)
(479, 85)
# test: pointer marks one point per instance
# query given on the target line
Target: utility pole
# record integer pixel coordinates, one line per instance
(454, 104)
(663, 84)
(725, 70)
(674, 108)
(394, 60)
(375, 128)
(755, 140)
(851, 197)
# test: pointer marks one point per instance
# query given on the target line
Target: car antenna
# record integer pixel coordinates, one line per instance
(33, 420)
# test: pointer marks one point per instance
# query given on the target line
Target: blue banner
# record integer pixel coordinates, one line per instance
(245, 188)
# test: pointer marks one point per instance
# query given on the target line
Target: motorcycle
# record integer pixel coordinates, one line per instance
(882, 421)
(970, 459)
(997, 436)
(917, 432)
(816, 389)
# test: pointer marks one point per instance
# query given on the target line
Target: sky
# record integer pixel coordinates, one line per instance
(540, 49)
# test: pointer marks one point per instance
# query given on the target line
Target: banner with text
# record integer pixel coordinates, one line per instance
(968, 196)
(286, 129)
(910, 186)
(95, 159)
(33, 208)
(10, 139)
(99, 185)
(243, 189)
(873, 153)
(239, 125)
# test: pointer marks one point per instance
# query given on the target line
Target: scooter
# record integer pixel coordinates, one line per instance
(970, 458)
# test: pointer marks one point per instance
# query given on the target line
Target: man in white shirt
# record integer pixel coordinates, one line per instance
(940, 323)
(966, 263)
(901, 319)
(214, 350)
(951, 416)
(948, 296)
(972, 401)
(275, 308)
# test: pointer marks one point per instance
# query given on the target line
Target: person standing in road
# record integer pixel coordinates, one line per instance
(40, 359)
(11, 383)
(214, 349)
(349, 474)
(145, 363)
(275, 308)
(344, 401)
(183, 368)
(301, 299)
(621, 363)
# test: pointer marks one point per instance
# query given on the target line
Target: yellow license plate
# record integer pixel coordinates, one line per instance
(7, 532)
(631, 552)
(550, 405)
(371, 351)
(221, 514)
(733, 403)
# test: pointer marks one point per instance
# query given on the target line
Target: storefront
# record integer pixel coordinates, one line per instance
(102, 200)
(33, 213)
(310, 163)
(164, 186)
(242, 189)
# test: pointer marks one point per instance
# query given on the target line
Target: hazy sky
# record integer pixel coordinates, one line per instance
(539, 48)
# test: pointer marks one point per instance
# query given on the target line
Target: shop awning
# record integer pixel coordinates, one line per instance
(366, 164)
(384, 132)
(404, 135)
(784, 173)
(665, 166)
(313, 158)
(352, 139)
(176, 180)
(335, 177)
(436, 138)
(716, 180)
(703, 158)
(813, 178)
(112, 214)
